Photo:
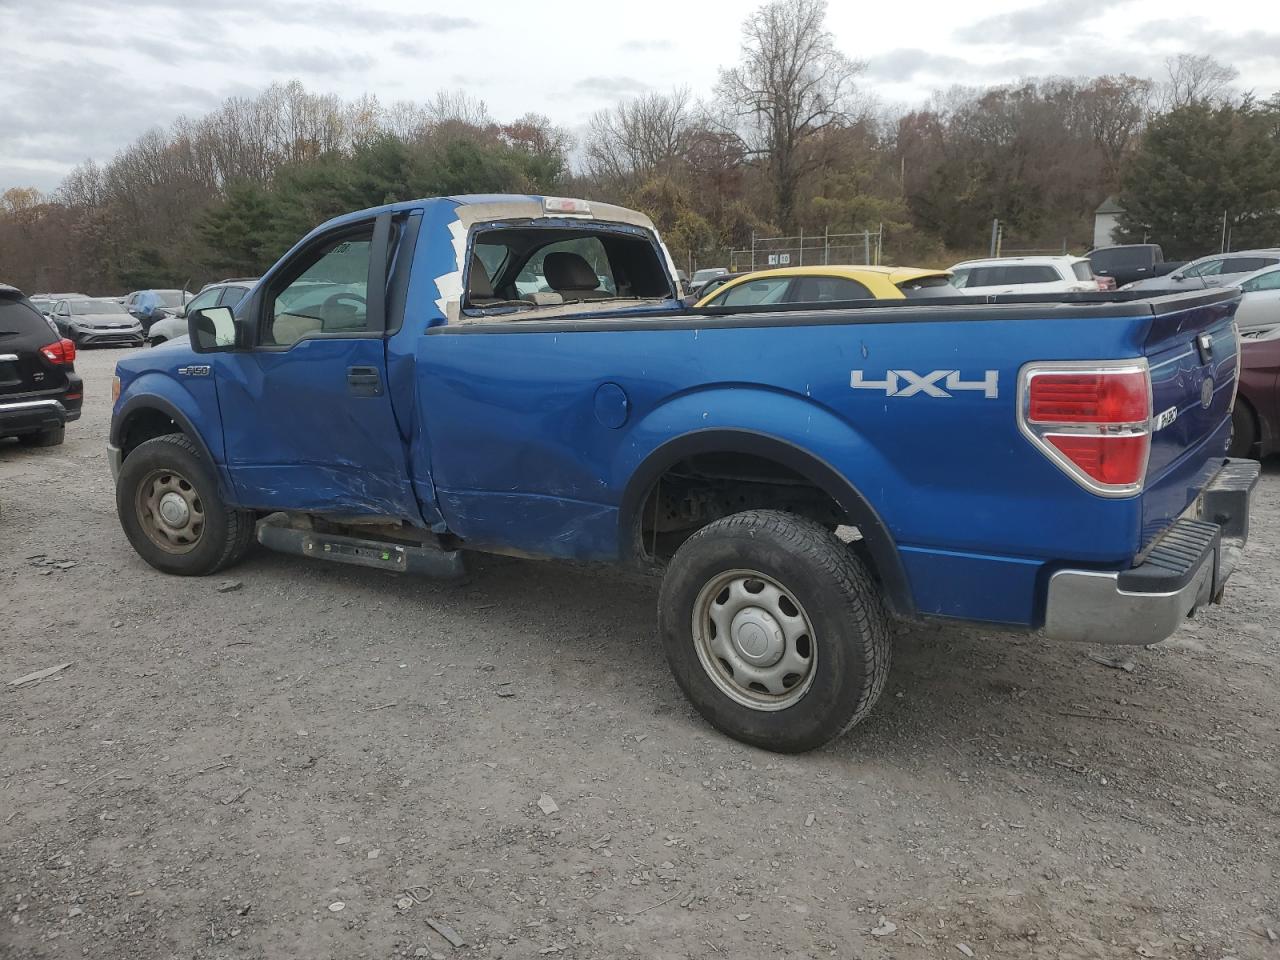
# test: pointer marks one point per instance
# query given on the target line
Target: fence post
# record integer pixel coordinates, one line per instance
(866, 247)
(995, 229)
(880, 244)
(753, 250)
(826, 245)
(801, 263)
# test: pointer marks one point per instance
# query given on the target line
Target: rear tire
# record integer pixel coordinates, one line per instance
(774, 630)
(168, 503)
(51, 437)
(1244, 430)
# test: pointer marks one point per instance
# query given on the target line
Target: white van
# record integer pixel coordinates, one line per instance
(1024, 275)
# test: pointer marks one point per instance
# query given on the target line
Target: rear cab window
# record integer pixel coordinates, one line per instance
(524, 270)
(1082, 270)
(1124, 258)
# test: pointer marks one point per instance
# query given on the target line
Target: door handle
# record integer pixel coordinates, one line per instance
(364, 381)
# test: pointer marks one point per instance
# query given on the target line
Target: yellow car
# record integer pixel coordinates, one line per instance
(828, 283)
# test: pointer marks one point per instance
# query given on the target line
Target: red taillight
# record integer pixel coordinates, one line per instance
(1089, 397)
(1115, 461)
(64, 351)
(1094, 421)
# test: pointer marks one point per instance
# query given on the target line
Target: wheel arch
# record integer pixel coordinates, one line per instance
(852, 504)
(145, 416)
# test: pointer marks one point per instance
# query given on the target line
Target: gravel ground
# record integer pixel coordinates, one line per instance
(327, 760)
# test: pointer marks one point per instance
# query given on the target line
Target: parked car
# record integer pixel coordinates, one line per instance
(829, 284)
(226, 293)
(97, 323)
(1255, 421)
(40, 391)
(1216, 270)
(701, 278)
(1015, 464)
(1259, 310)
(1024, 275)
(1129, 262)
(148, 306)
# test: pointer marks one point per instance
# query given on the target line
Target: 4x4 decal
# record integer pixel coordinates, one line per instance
(908, 383)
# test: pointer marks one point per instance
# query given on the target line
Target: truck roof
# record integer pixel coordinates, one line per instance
(501, 206)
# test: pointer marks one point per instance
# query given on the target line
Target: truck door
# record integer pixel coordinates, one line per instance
(307, 421)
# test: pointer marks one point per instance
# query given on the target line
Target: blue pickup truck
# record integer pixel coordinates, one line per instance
(517, 375)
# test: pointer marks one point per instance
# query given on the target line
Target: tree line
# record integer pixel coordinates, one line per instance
(791, 139)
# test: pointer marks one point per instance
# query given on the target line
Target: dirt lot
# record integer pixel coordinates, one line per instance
(217, 772)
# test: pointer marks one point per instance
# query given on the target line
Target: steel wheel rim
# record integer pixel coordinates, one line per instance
(754, 640)
(170, 511)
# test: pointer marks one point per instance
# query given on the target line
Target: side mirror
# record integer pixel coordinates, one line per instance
(212, 330)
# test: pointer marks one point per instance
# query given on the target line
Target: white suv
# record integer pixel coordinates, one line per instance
(1024, 275)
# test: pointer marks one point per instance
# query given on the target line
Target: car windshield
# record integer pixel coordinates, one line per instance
(701, 275)
(84, 307)
(169, 298)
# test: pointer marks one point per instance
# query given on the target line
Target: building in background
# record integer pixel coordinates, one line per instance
(1105, 222)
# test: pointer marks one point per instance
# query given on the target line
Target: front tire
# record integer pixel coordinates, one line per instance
(774, 630)
(169, 507)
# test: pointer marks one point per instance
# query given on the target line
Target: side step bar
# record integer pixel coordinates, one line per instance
(378, 554)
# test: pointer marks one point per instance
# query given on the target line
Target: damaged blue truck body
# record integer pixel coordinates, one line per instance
(518, 375)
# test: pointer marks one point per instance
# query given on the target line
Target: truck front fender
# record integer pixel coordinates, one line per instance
(153, 393)
(789, 430)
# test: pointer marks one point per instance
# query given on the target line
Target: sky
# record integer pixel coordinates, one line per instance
(83, 78)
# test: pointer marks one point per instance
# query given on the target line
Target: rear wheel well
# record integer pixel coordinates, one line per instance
(704, 487)
(144, 425)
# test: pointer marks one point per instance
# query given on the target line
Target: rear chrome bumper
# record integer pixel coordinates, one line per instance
(1185, 569)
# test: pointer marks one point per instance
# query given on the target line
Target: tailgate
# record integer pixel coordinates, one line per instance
(1192, 347)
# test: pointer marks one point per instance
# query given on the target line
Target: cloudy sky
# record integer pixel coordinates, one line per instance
(82, 78)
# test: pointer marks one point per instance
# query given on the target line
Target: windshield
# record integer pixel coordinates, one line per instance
(170, 298)
(701, 275)
(84, 307)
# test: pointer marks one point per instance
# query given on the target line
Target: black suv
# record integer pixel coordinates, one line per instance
(40, 390)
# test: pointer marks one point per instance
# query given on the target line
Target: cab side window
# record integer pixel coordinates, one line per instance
(1210, 268)
(825, 289)
(754, 293)
(324, 292)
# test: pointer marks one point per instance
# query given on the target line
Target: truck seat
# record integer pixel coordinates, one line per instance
(572, 277)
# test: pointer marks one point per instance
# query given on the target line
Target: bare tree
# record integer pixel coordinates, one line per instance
(790, 86)
(1196, 78)
(639, 137)
(1114, 111)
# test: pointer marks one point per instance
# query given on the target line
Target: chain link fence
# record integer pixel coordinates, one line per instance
(801, 250)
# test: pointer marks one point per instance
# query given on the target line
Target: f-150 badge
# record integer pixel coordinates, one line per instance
(936, 383)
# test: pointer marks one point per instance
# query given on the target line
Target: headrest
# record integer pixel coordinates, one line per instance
(568, 271)
(478, 284)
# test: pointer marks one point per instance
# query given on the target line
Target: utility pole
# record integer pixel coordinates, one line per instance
(1223, 247)
(995, 230)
